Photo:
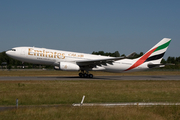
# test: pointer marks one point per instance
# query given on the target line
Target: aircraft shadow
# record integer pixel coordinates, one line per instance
(76, 78)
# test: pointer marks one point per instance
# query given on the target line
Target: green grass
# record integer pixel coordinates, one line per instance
(93, 113)
(68, 92)
(32, 94)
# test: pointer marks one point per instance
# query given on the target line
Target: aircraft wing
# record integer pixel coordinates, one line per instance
(131, 55)
(99, 62)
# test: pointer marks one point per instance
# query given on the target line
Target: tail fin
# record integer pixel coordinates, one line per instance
(154, 55)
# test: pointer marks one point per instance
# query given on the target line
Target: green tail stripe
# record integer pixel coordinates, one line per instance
(163, 46)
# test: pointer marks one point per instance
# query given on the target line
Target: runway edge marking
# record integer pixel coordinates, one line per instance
(125, 104)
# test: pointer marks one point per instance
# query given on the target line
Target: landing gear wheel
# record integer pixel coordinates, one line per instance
(81, 75)
(90, 75)
(85, 75)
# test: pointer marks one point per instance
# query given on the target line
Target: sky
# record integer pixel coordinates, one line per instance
(90, 25)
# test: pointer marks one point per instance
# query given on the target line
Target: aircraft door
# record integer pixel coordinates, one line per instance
(22, 51)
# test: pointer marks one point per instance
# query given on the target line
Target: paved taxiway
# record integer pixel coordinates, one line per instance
(161, 77)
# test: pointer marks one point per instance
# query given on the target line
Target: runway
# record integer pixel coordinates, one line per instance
(160, 77)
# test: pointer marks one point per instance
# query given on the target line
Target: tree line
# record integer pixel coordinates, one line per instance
(9, 62)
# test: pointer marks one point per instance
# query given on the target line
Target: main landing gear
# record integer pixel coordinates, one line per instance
(82, 74)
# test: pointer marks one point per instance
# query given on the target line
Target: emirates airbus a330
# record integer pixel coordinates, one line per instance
(73, 61)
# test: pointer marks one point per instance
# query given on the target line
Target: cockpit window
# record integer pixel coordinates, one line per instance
(12, 50)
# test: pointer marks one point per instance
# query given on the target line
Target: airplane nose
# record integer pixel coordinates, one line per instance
(7, 52)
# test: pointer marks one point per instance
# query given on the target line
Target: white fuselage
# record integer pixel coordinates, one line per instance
(55, 57)
(73, 61)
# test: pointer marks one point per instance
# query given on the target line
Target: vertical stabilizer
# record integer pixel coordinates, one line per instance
(158, 51)
(154, 55)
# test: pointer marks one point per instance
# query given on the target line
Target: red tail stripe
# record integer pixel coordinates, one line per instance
(142, 59)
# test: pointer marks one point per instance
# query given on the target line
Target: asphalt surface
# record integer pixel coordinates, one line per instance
(160, 77)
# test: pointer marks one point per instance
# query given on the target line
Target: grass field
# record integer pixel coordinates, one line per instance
(65, 93)
(93, 113)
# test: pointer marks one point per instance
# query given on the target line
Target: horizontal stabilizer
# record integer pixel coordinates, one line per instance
(158, 65)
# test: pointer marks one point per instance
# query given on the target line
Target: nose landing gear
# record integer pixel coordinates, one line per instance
(82, 74)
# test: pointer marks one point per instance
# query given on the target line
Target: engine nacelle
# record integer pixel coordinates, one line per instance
(67, 66)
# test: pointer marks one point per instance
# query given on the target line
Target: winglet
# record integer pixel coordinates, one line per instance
(131, 55)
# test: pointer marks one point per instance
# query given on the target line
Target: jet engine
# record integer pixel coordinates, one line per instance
(67, 66)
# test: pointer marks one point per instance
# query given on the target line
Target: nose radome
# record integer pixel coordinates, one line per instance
(7, 52)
